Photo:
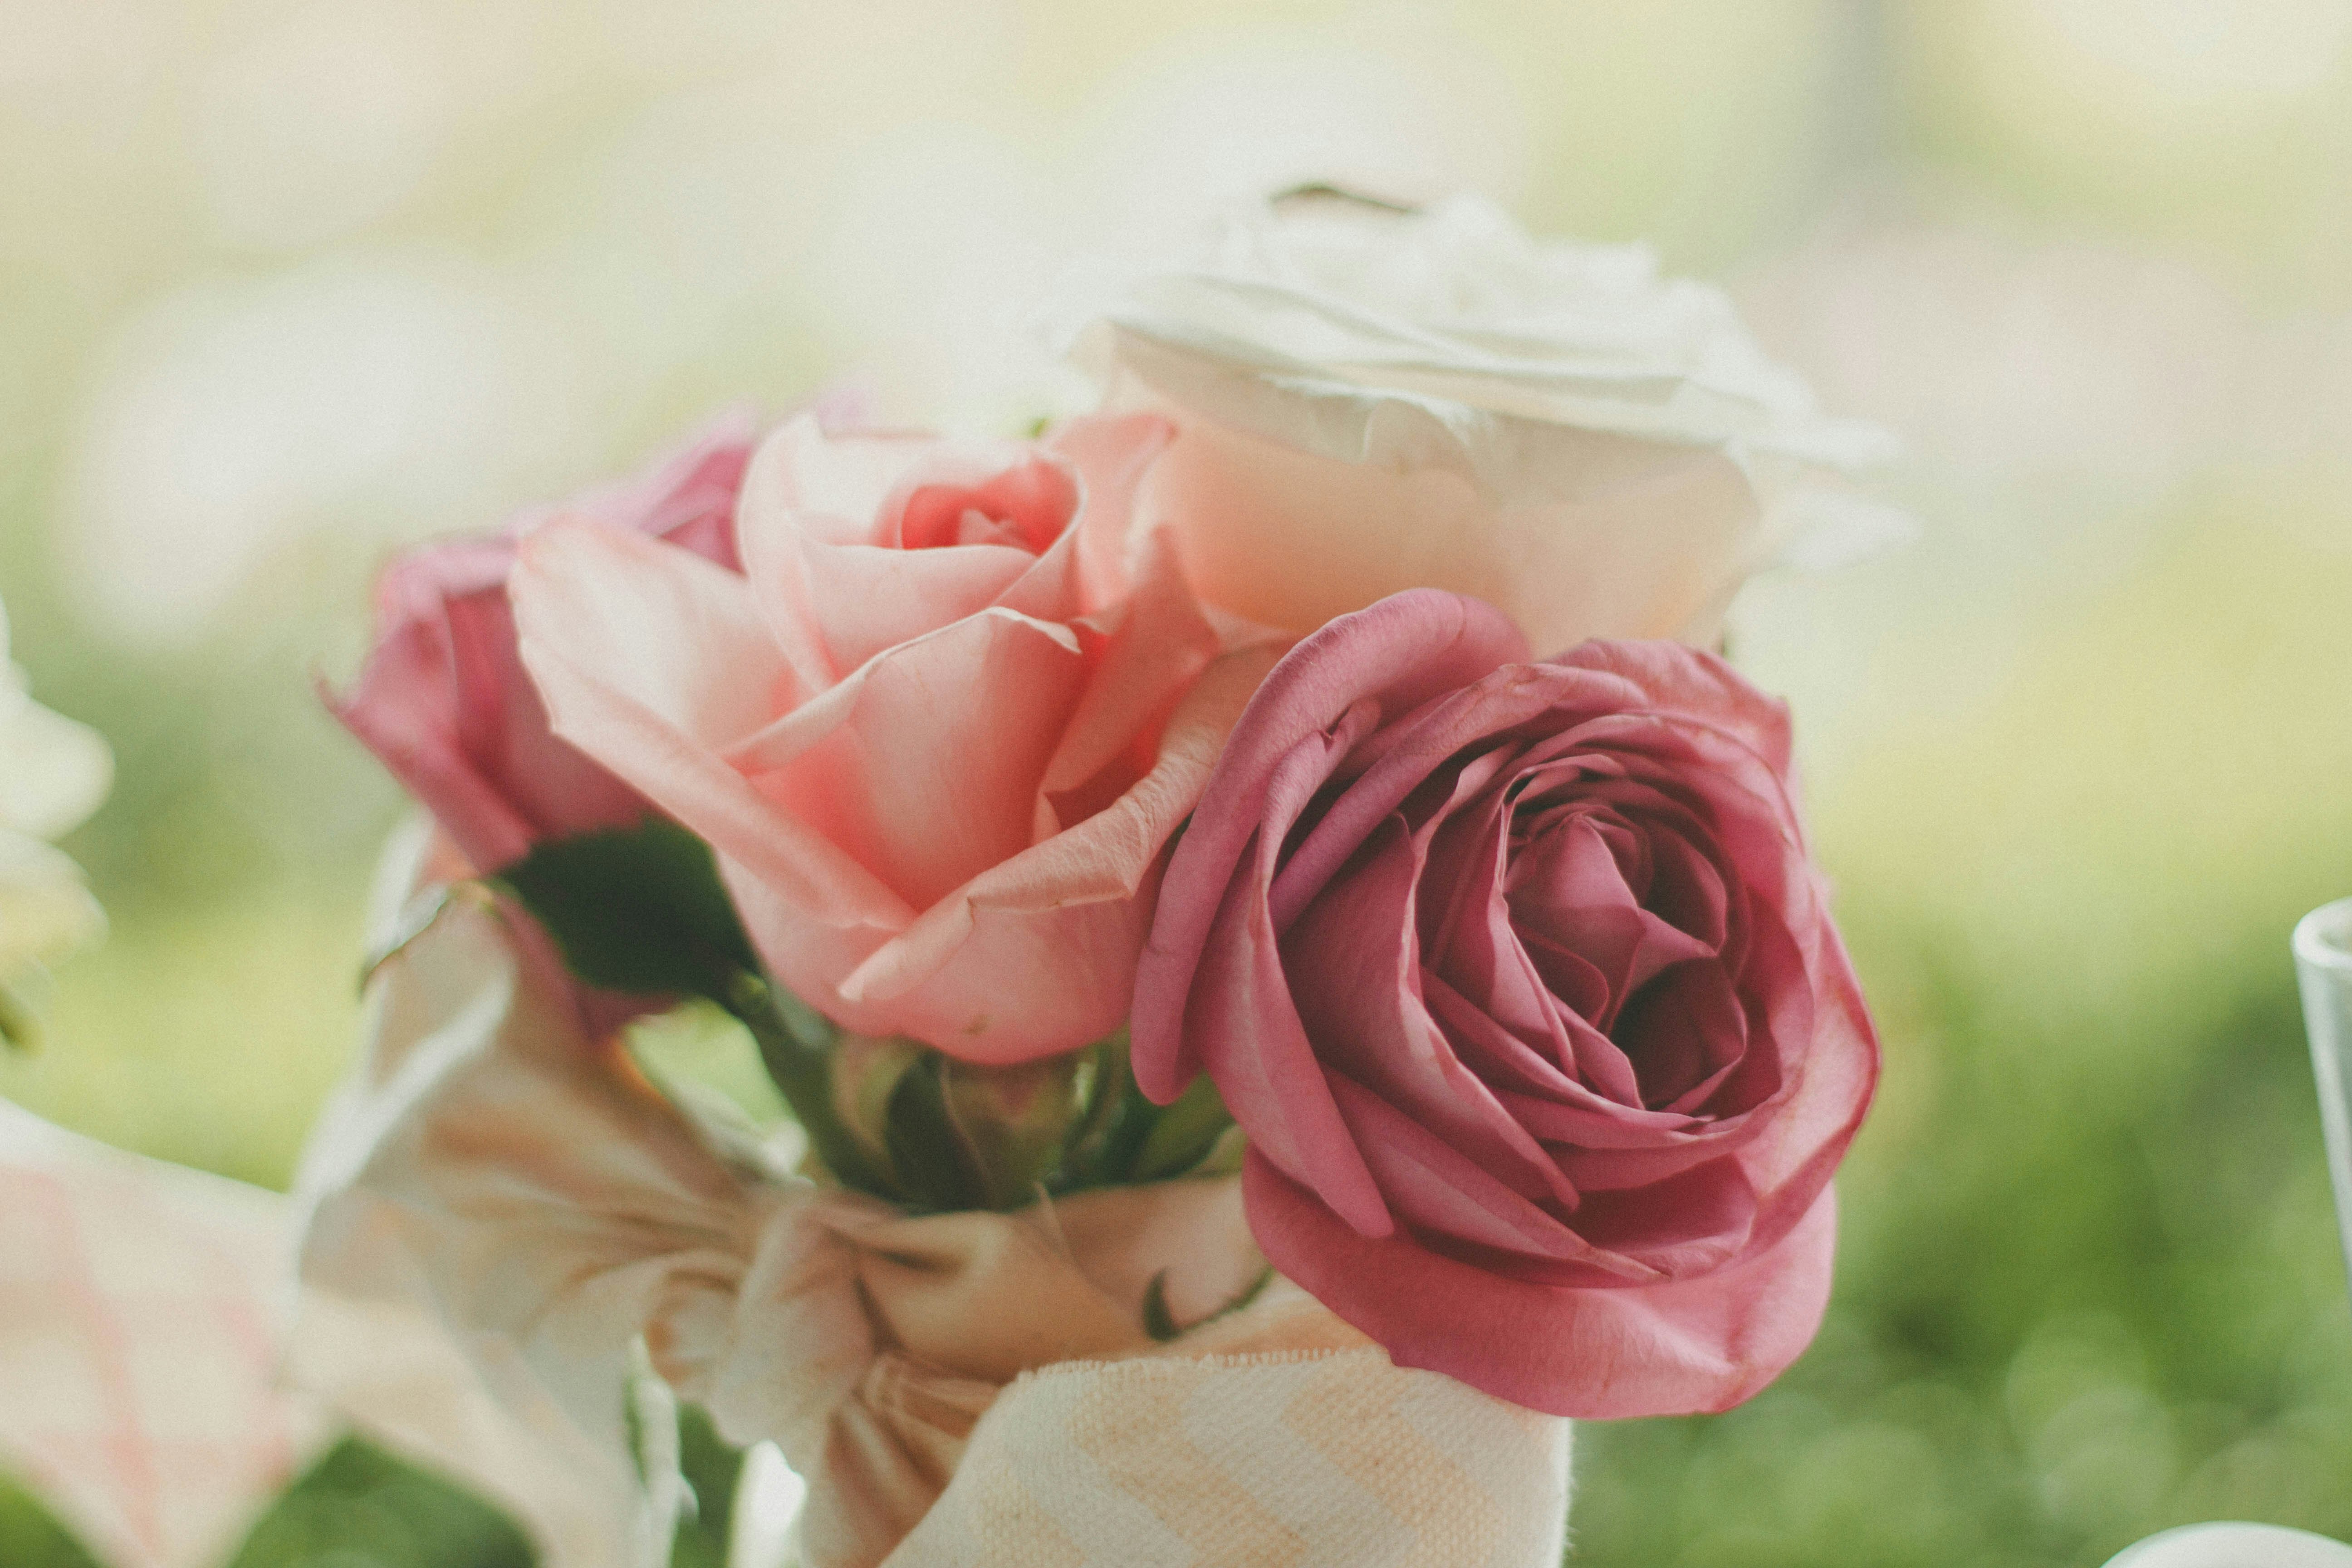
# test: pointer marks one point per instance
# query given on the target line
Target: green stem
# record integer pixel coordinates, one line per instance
(795, 1044)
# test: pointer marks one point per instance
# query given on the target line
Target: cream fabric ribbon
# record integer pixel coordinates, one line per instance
(956, 1389)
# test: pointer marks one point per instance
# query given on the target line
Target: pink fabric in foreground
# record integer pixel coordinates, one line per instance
(1520, 982)
(142, 1312)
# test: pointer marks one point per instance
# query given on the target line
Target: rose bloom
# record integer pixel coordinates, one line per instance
(1519, 981)
(1372, 400)
(938, 733)
(443, 701)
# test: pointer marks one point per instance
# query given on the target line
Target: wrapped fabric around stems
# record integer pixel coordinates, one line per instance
(956, 1389)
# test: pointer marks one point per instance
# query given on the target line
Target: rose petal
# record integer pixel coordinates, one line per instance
(402, 708)
(924, 765)
(951, 985)
(1604, 535)
(864, 600)
(1025, 506)
(1408, 648)
(833, 484)
(1355, 971)
(1111, 454)
(1679, 1227)
(1684, 1032)
(503, 729)
(806, 525)
(1096, 880)
(1673, 1348)
(1688, 682)
(1439, 1189)
(1159, 645)
(651, 660)
(1255, 1048)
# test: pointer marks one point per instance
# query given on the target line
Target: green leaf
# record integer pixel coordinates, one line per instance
(1133, 1115)
(1158, 1320)
(807, 1027)
(29, 1538)
(797, 1046)
(1104, 1079)
(866, 1072)
(1160, 1324)
(360, 1504)
(1185, 1135)
(935, 1175)
(1126, 1139)
(637, 909)
(714, 1471)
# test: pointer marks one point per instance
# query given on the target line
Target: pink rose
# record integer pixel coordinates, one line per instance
(1519, 981)
(443, 701)
(938, 734)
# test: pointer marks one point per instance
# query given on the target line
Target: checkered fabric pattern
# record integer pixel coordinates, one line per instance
(140, 1324)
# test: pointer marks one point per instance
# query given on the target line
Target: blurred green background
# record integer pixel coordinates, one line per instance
(285, 282)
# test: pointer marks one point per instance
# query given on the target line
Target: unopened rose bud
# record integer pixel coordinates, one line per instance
(1013, 1122)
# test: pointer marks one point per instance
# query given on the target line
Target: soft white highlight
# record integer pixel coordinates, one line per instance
(53, 773)
(1440, 335)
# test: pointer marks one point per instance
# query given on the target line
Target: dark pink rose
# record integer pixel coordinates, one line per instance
(1521, 984)
(443, 701)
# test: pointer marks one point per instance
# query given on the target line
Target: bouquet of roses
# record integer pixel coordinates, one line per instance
(1293, 970)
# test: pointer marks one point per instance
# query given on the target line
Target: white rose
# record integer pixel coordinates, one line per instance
(53, 773)
(1370, 400)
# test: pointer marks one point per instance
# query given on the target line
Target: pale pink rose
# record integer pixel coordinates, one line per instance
(1519, 981)
(936, 734)
(1371, 401)
(443, 701)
